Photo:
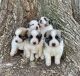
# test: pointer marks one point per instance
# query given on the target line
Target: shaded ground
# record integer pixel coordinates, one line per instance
(17, 66)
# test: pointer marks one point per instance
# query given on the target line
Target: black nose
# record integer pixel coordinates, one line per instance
(34, 43)
(16, 41)
(36, 28)
(53, 44)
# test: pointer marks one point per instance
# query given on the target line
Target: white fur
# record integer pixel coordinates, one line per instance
(33, 24)
(20, 45)
(56, 51)
(35, 49)
(44, 29)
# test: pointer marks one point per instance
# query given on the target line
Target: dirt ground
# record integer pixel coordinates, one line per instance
(18, 66)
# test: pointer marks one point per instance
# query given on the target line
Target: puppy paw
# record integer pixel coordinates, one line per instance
(32, 59)
(57, 62)
(48, 63)
(36, 56)
(42, 57)
(11, 54)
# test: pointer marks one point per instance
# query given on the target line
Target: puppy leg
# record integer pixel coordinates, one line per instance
(13, 51)
(41, 55)
(26, 52)
(32, 57)
(57, 59)
(48, 60)
(37, 56)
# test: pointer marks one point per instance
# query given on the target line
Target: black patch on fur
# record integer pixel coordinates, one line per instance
(40, 21)
(58, 38)
(45, 19)
(48, 39)
(39, 36)
(30, 37)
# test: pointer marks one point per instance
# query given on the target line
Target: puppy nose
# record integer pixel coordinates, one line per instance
(53, 44)
(16, 41)
(36, 28)
(34, 43)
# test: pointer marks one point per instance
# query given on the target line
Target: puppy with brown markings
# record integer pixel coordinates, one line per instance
(53, 46)
(19, 40)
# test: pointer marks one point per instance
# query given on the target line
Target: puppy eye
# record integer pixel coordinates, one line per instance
(50, 37)
(56, 37)
(20, 36)
(37, 36)
(30, 36)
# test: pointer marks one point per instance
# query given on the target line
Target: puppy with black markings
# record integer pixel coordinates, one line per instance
(33, 25)
(45, 25)
(35, 45)
(53, 46)
(19, 40)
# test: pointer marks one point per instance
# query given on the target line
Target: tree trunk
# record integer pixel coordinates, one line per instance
(76, 10)
(14, 13)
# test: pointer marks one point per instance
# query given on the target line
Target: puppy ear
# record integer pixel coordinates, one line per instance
(40, 35)
(28, 25)
(45, 34)
(27, 33)
(59, 32)
(37, 20)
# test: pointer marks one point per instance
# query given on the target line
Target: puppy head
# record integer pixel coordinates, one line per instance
(53, 38)
(43, 22)
(33, 25)
(21, 34)
(35, 37)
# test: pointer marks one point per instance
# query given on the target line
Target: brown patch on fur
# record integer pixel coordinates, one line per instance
(24, 33)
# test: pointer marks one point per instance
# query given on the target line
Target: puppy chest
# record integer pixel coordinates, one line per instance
(54, 51)
(21, 46)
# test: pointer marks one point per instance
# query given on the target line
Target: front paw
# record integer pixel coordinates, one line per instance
(11, 54)
(32, 59)
(57, 62)
(48, 63)
(42, 57)
(36, 56)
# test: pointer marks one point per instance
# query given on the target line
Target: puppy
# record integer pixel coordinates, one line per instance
(36, 45)
(45, 25)
(19, 40)
(53, 46)
(33, 25)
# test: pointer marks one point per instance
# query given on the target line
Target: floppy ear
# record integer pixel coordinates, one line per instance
(59, 32)
(40, 35)
(28, 25)
(27, 33)
(45, 34)
(37, 19)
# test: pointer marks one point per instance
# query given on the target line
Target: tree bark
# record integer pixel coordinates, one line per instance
(14, 13)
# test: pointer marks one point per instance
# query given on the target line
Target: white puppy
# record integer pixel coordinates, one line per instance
(35, 45)
(45, 25)
(33, 25)
(19, 40)
(53, 46)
